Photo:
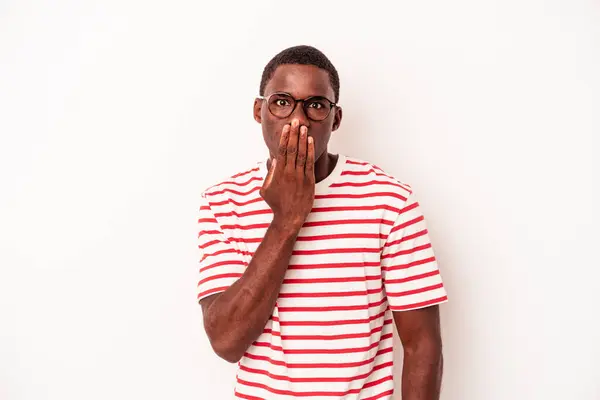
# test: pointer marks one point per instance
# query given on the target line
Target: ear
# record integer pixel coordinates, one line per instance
(258, 110)
(337, 118)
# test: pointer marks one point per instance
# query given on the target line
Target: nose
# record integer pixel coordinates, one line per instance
(300, 115)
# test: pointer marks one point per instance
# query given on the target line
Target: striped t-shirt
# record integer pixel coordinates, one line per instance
(363, 252)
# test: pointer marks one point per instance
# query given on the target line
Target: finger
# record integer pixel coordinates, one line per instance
(302, 148)
(283, 141)
(310, 158)
(270, 174)
(292, 145)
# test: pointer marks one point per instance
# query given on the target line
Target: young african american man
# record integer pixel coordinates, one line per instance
(308, 258)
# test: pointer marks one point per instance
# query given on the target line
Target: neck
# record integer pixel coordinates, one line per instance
(324, 166)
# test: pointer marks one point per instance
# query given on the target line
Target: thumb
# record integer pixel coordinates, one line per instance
(269, 177)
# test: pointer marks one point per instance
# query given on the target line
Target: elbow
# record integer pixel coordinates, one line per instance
(425, 347)
(225, 344)
(227, 350)
(224, 340)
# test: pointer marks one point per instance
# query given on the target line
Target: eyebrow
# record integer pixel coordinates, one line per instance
(289, 94)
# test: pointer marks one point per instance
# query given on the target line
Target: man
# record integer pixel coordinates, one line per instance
(309, 258)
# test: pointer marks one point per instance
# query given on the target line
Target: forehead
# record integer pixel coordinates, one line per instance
(300, 81)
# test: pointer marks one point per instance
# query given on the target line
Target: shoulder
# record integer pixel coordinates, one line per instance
(362, 172)
(241, 183)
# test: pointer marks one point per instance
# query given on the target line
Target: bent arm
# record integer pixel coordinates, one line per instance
(233, 319)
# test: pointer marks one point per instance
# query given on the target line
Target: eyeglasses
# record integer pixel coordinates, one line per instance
(282, 105)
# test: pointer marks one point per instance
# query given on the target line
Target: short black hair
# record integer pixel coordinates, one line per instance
(304, 55)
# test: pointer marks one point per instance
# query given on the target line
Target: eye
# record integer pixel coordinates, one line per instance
(316, 104)
(282, 102)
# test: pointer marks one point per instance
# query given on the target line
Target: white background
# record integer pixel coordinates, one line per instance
(114, 115)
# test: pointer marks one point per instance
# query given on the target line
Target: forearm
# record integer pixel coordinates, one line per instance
(237, 316)
(422, 371)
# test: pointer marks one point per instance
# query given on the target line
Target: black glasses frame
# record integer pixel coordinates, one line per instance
(296, 101)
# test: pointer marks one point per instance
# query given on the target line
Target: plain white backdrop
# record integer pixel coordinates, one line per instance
(114, 116)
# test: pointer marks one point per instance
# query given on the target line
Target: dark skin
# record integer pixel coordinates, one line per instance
(301, 81)
(298, 158)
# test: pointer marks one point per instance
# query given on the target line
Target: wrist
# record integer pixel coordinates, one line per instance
(286, 227)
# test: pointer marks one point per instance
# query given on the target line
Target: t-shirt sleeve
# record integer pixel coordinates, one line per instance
(221, 261)
(409, 269)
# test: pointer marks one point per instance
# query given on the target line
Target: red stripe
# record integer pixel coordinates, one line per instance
(315, 223)
(254, 189)
(221, 263)
(207, 220)
(329, 337)
(314, 210)
(342, 236)
(246, 227)
(237, 203)
(331, 294)
(365, 164)
(405, 252)
(246, 240)
(333, 280)
(300, 252)
(333, 265)
(208, 244)
(356, 208)
(213, 232)
(409, 265)
(377, 382)
(204, 208)
(419, 305)
(357, 162)
(255, 169)
(319, 365)
(410, 207)
(413, 278)
(318, 237)
(324, 351)
(349, 221)
(245, 396)
(360, 250)
(333, 308)
(330, 323)
(407, 223)
(416, 291)
(380, 395)
(220, 276)
(225, 251)
(244, 214)
(245, 183)
(369, 183)
(216, 253)
(317, 379)
(212, 291)
(367, 172)
(408, 237)
(271, 332)
(309, 394)
(360, 196)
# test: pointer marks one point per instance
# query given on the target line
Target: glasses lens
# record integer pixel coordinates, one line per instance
(317, 108)
(281, 105)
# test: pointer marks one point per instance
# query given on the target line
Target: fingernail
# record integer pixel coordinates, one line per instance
(295, 123)
(310, 139)
(303, 130)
